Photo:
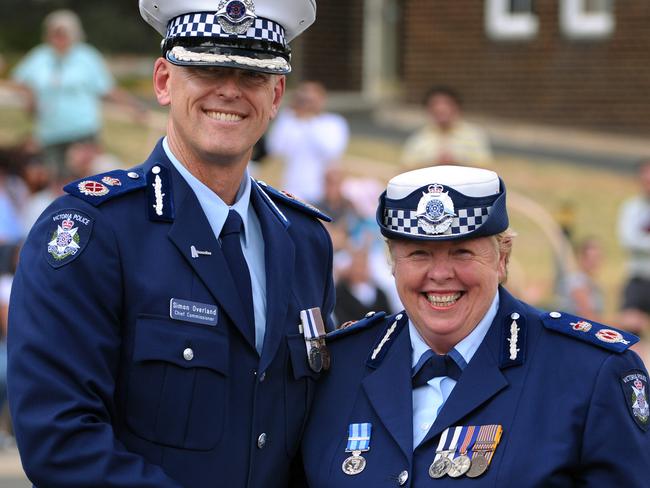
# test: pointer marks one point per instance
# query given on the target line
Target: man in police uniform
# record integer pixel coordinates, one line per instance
(147, 347)
(470, 386)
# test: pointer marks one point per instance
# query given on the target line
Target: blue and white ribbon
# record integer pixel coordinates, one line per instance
(359, 437)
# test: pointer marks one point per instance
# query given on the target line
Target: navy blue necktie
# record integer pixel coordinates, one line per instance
(231, 247)
(434, 367)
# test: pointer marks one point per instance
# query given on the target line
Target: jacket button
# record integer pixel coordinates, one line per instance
(403, 478)
(188, 354)
(261, 440)
(133, 175)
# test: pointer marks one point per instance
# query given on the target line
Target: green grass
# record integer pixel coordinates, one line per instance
(596, 195)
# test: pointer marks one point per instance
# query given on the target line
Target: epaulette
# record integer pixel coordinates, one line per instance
(592, 332)
(292, 201)
(394, 325)
(371, 318)
(106, 186)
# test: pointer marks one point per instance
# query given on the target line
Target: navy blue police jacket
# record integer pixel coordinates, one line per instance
(107, 390)
(562, 404)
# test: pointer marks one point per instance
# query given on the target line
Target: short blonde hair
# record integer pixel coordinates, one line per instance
(67, 21)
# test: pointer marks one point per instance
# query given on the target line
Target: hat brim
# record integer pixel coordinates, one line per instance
(228, 56)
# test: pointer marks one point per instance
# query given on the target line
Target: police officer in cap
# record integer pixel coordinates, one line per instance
(155, 337)
(470, 386)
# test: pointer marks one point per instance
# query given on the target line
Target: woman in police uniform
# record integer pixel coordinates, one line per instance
(468, 385)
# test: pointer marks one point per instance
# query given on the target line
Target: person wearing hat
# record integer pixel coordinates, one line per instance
(469, 386)
(156, 335)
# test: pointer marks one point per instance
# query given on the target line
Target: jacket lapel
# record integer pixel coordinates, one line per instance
(191, 229)
(388, 388)
(482, 379)
(279, 257)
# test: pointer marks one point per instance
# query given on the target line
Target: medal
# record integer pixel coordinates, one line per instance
(459, 466)
(354, 464)
(313, 330)
(358, 442)
(447, 444)
(439, 467)
(484, 448)
(315, 359)
(479, 465)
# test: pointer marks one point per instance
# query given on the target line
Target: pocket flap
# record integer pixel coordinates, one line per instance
(187, 346)
(298, 353)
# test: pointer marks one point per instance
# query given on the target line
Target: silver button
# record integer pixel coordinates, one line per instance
(514, 316)
(155, 170)
(555, 315)
(261, 440)
(262, 377)
(133, 175)
(403, 477)
(370, 314)
(188, 354)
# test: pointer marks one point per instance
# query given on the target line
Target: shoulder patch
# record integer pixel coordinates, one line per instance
(292, 201)
(372, 318)
(635, 389)
(600, 335)
(68, 234)
(106, 186)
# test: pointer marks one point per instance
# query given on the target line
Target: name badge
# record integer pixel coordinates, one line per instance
(199, 313)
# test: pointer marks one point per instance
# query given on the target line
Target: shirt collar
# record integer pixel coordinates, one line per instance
(213, 206)
(462, 352)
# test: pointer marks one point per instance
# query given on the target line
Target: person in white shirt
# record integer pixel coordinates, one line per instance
(308, 140)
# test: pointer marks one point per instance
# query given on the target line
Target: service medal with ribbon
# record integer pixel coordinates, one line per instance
(358, 442)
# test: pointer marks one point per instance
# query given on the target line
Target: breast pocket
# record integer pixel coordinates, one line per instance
(299, 390)
(178, 384)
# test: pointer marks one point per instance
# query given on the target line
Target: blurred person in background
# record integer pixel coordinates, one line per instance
(356, 293)
(447, 138)
(308, 140)
(634, 237)
(579, 292)
(65, 81)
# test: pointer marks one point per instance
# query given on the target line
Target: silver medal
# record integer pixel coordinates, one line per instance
(439, 467)
(354, 464)
(459, 466)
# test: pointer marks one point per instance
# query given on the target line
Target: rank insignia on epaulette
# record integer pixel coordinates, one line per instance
(68, 235)
(513, 341)
(592, 332)
(104, 187)
(635, 389)
(92, 188)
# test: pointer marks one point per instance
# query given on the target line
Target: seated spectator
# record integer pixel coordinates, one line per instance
(356, 293)
(447, 138)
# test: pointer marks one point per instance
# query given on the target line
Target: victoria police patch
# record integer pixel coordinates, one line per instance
(635, 389)
(67, 237)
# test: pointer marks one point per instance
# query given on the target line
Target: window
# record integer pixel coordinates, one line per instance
(587, 19)
(510, 19)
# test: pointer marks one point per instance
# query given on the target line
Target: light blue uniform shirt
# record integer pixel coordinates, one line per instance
(252, 240)
(68, 91)
(429, 399)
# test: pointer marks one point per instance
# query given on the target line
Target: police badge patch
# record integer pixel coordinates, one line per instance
(435, 210)
(67, 237)
(635, 389)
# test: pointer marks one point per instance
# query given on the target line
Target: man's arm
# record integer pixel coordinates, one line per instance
(64, 345)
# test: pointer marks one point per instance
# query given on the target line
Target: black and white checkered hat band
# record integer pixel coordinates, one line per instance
(206, 25)
(406, 221)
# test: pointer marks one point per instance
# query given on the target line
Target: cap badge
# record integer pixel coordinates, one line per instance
(435, 210)
(236, 16)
